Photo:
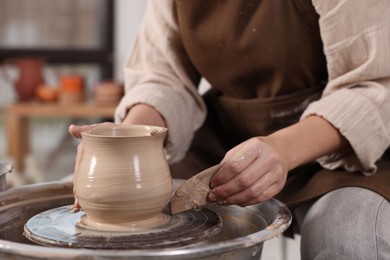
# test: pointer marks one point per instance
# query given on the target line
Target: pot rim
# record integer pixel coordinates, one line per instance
(149, 131)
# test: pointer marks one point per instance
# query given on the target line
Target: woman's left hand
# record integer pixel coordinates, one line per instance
(252, 172)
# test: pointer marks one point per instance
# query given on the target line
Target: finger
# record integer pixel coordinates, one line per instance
(255, 192)
(243, 152)
(76, 130)
(76, 168)
(228, 171)
(235, 162)
(238, 183)
(76, 206)
(265, 196)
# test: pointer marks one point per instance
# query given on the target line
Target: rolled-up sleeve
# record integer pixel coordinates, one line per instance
(159, 73)
(356, 100)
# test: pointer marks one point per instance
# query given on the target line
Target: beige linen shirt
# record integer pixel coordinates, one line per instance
(356, 100)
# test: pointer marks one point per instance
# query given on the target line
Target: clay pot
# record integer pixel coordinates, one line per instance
(123, 177)
(108, 92)
(71, 89)
(46, 94)
(30, 76)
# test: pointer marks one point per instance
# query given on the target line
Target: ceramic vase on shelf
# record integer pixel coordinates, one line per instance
(108, 92)
(123, 177)
(30, 76)
(71, 89)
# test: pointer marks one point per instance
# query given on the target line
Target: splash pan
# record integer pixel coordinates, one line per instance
(61, 227)
(242, 236)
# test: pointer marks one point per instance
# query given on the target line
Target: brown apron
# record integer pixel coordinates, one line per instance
(265, 62)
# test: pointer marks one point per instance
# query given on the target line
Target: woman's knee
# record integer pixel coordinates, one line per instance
(343, 224)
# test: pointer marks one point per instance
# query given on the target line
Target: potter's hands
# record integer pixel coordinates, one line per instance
(76, 131)
(251, 173)
(256, 170)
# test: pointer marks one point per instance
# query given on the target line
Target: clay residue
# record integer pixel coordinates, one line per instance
(132, 226)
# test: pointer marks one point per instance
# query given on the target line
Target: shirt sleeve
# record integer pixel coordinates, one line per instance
(356, 99)
(159, 73)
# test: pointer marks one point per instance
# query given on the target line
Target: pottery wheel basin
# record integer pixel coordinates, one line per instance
(242, 236)
(62, 227)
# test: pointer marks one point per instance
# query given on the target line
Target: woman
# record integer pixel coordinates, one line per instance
(292, 82)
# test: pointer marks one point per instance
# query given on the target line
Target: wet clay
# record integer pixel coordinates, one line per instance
(123, 180)
(132, 226)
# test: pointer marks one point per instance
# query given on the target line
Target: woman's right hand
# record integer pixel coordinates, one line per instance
(76, 131)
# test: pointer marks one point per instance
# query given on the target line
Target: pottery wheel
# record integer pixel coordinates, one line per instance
(58, 227)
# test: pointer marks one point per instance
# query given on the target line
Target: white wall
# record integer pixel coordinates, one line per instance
(129, 14)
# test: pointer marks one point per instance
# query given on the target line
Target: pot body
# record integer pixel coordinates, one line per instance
(123, 175)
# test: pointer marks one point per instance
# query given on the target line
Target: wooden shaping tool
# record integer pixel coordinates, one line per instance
(192, 194)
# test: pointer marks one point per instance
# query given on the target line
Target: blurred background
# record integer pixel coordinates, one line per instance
(57, 55)
(61, 63)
